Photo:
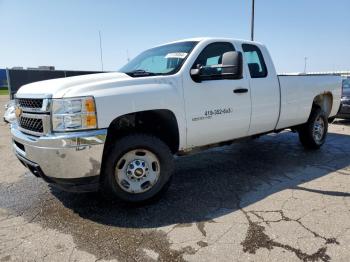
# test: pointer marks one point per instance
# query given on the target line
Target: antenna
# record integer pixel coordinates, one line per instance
(305, 58)
(127, 55)
(101, 55)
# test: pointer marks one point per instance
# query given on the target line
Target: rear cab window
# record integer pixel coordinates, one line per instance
(255, 61)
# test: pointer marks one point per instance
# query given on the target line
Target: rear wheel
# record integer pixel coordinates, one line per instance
(313, 134)
(138, 168)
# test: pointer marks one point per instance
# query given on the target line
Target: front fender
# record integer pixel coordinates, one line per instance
(113, 103)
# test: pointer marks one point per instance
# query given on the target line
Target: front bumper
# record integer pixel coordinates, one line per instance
(72, 161)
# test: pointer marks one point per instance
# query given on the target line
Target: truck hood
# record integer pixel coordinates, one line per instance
(73, 86)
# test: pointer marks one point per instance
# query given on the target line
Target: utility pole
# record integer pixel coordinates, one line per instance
(101, 55)
(252, 22)
(305, 63)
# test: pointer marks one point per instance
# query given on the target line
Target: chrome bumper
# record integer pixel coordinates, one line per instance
(62, 156)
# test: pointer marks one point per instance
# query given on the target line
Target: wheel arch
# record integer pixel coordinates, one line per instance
(324, 101)
(161, 123)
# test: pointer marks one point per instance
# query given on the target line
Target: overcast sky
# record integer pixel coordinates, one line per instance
(64, 33)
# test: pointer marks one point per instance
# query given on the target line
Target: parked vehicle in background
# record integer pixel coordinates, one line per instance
(10, 115)
(118, 132)
(344, 110)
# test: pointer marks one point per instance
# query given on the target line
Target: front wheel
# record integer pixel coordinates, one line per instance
(331, 120)
(313, 134)
(138, 168)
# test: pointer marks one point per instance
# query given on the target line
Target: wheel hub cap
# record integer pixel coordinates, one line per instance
(137, 171)
(318, 130)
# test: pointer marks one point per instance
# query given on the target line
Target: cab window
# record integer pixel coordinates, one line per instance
(255, 61)
(346, 84)
(211, 56)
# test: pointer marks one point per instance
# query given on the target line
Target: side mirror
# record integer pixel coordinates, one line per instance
(232, 65)
(196, 74)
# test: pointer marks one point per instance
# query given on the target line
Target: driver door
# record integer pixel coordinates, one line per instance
(215, 110)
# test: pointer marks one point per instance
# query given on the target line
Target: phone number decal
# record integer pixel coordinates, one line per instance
(218, 112)
(208, 114)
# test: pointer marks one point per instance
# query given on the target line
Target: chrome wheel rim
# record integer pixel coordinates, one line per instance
(137, 171)
(318, 130)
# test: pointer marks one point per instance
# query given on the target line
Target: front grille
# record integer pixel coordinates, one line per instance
(30, 103)
(34, 116)
(31, 124)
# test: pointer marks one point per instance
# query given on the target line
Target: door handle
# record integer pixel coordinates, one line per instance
(240, 90)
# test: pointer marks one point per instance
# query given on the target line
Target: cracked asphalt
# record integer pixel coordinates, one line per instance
(263, 200)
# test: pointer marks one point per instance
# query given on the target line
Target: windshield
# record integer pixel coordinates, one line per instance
(162, 60)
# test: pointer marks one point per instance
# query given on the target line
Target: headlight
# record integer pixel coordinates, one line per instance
(73, 114)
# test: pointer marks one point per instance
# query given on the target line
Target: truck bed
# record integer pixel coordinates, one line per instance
(298, 90)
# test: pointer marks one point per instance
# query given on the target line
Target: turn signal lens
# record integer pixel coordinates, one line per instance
(91, 121)
(90, 105)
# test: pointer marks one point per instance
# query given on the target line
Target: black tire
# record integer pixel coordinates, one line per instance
(306, 131)
(331, 120)
(109, 184)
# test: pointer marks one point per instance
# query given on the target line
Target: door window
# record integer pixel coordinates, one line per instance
(211, 56)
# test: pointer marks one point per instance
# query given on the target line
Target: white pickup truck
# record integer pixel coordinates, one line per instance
(118, 132)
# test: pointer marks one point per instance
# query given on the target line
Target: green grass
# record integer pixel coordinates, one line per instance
(4, 92)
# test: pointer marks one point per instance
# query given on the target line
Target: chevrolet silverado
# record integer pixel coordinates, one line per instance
(119, 132)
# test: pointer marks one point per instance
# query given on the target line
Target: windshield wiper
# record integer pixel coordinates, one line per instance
(140, 72)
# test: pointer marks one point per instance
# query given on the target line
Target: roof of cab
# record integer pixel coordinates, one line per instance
(200, 39)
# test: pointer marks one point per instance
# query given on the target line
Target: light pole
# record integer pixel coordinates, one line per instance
(252, 22)
(101, 56)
